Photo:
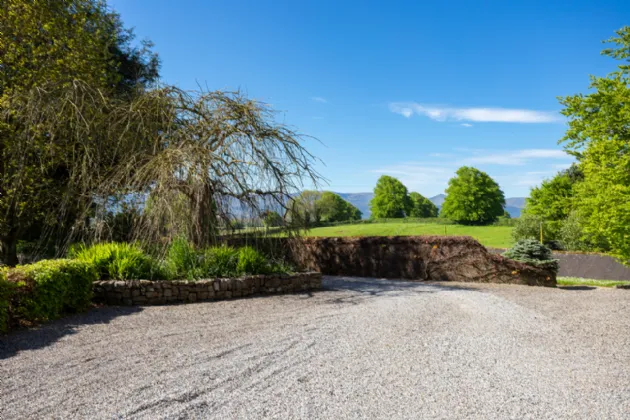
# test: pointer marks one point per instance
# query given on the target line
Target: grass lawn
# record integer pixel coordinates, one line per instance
(490, 236)
(577, 281)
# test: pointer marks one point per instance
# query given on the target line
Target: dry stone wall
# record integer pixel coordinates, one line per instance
(146, 292)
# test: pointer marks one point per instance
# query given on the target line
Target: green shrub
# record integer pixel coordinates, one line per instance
(532, 252)
(7, 291)
(184, 261)
(52, 288)
(528, 227)
(221, 261)
(251, 261)
(120, 261)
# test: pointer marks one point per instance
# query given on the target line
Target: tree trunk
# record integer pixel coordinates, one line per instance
(8, 245)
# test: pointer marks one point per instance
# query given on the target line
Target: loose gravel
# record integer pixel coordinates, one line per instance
(361, 348)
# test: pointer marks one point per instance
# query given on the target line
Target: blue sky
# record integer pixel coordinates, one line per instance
(410, 89)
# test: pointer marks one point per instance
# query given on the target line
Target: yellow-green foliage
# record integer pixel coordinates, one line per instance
(120, 261)
(49, 288)
(7, 290)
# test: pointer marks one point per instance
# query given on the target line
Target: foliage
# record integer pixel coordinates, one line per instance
(578, 281)
(333, 208)
(532, 252)
(221, 261)
(7, 293)
(251, 261)
(75, 138)
(120, 261)
(36, 161)
(52, 287)
(422, 206)
(391, 199)
(272, 218)
(472, 197)
(552, 200)
(311, 208)
(528, 227)
(598, 135)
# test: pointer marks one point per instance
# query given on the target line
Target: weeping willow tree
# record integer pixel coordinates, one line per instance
(183, 161)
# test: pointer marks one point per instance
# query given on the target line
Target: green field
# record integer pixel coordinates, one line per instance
(577, 281)
(490, 236)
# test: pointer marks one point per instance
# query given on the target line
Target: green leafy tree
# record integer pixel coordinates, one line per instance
(599, 135)
(472, 197)
(391, 199)
(552, 200)
(422, 206)
(304, 210)
(49, 51)
(336, 209)
(272, 218)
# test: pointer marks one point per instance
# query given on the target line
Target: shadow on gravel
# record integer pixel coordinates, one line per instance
(47, 334)
(362, 289)
(577, 287)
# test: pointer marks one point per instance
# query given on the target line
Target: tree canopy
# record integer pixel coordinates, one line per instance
(472, 197)
(552, 200)
(599, 135)
(391, 199)
(422, 206)
(85, 131)
(313, 207)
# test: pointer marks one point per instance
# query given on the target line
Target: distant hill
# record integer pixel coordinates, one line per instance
(513, 205)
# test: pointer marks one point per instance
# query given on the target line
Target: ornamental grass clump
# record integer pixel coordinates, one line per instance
(532, 252)
(120, 261)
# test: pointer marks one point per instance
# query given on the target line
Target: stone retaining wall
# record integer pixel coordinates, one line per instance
(442, 258)
(146, 292)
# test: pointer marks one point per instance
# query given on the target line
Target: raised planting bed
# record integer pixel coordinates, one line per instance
(159, 292)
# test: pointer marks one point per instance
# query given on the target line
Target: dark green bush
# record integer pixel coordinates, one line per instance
(120, 261)
(49, 288)
(532, 252)
(7, 291)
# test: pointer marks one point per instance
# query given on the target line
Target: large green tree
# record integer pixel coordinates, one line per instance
(422, 206)
(54, 53)
(599, 135)
(552, 200)
(336, 209)
(472, 197)
(391, 199)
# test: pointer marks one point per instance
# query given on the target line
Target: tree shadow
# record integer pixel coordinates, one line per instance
(50, 332)
(577, 287)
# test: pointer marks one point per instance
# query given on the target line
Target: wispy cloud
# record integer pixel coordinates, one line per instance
(466, 125)
(319, 99)
(505, 115)
(515, 157)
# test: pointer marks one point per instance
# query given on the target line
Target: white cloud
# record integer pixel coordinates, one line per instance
(319, 99)
(438, 113)
(466, 125)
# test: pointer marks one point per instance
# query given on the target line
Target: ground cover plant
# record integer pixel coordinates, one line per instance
(489, 236)
(44, 290)
(578, 281)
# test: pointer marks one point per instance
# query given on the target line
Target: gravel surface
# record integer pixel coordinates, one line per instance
(362, 348)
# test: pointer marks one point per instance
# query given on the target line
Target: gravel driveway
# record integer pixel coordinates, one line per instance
(361, 348)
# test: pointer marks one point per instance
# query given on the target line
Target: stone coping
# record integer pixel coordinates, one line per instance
(160, 292)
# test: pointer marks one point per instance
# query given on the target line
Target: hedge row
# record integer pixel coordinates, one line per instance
(44, 291)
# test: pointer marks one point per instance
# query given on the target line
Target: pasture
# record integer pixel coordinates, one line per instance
(489, 236)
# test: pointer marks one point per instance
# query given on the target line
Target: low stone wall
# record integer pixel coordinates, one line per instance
(146, 292)
(442, 258)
